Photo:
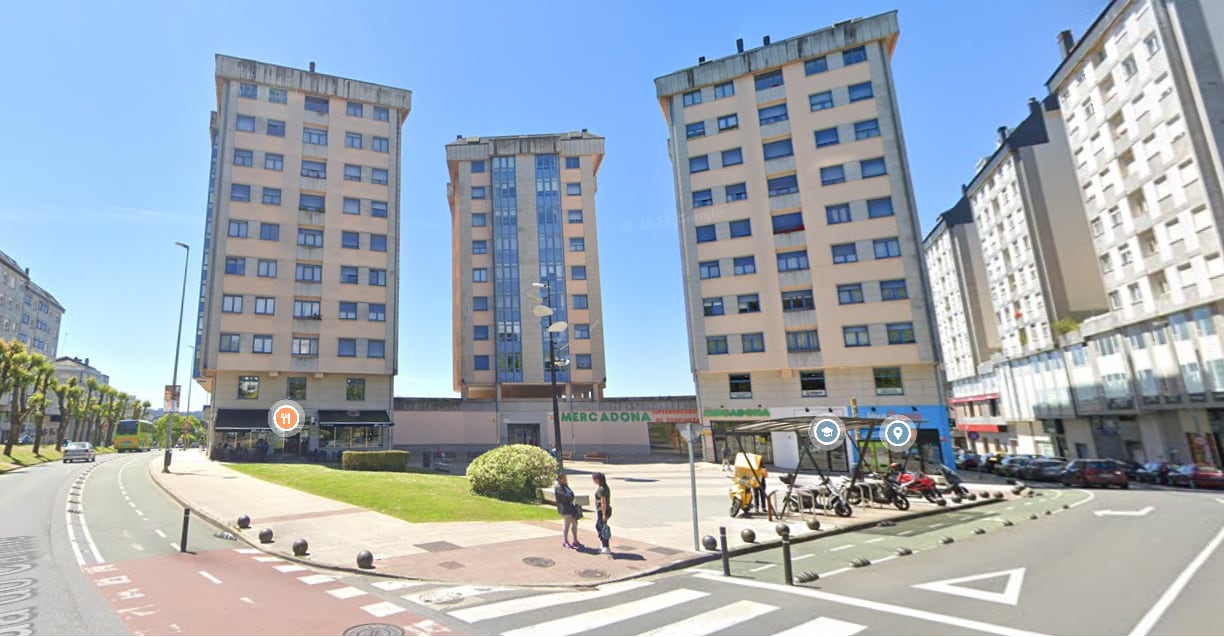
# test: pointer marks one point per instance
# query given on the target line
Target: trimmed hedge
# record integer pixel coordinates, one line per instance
(512, 472)
(394, 460)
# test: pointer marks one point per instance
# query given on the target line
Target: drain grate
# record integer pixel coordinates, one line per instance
(434, 547)
(451, 565)
(540, 562)
(591, 573)
(374, 629)
(663, 550)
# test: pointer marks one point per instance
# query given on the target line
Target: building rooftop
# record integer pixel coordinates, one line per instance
(1031, 132)
(30, 285)
(959, 214)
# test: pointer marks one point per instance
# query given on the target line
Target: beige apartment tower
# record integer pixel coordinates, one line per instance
(803, 272)
(300, 288)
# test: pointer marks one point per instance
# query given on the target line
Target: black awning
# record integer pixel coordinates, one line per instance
(800, 424)
(332, 417)
(245, 419)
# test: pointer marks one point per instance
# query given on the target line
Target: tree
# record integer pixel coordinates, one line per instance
(40, 400)
(23, 366)
(140, 409)
(64, 397)
(88, 409)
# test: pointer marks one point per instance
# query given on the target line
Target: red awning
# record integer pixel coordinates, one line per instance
(962, 426)
(974, 399)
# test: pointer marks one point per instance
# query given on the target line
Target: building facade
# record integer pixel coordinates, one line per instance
(800, 247)
(299, 288)
(28, 313)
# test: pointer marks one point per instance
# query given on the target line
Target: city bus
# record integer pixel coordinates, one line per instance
(133, 435)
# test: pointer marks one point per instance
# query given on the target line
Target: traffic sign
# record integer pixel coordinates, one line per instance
(285, 418)
(899, 433)
(689, 431)
(827, 432)
(973, 435)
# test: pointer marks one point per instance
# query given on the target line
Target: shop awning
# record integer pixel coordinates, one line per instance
(801, 424)
(244, 419)
(334, 417)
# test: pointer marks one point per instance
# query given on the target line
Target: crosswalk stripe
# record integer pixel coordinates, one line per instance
(824, 626)
(583, 622)
(514, 606)
(346, 593)
(382, 609)
(715, 620)
(395, 585)
(290, 568)
(315, 579)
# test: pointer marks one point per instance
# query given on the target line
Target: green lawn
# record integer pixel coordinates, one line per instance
(416, 496)
(23, 456)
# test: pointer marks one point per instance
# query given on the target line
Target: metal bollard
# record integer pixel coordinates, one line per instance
(183, 539)
(786, 561)
(722, 542)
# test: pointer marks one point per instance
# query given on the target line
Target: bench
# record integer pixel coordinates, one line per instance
(548, 496)
(595, 456)
(567, 455)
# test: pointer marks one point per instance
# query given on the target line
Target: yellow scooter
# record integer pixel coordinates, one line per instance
(746, 479)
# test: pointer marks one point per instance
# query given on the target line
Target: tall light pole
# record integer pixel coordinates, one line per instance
(190, 382)
(546, 311)
(178, 342)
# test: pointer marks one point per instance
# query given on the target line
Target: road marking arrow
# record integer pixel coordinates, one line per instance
(1134, 514)
(1009, 596)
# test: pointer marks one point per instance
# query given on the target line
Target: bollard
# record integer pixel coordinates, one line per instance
(265, 536)
(902, 552)
(979, 531)
(782, 529)
(786, 561)
(748, 535)
(183, 539)
(244, 522)
(813, 524)
(1007, 523)
(709, 543)
(726, 560)
(365, 560)
(300, 547)
(947, 539)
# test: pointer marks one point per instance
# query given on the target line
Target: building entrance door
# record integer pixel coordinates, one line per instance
(524, 434)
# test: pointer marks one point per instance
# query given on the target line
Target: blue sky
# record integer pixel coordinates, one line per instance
(106, 140)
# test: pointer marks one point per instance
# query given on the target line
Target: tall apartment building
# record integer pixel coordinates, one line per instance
(28, 313)
(300, 285)
(523, 213)
(803, 276)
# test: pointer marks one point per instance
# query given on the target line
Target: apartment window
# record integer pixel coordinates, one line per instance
(378, 242)
(1152, 43)
(815, 65)
(706, 234)
(812, 383)
(740, 385)
(350, 240)
(353, 109)
(317, 104)
(478, 166)
(240, 192)
(480, 275)
(315, 169)
(229, 342)
(578, 272)
(790, 261)
(736, 192)
(880, 207)
(378, 176)
(581, 302)
(304, 347)
(276, 128)
(295, 388)
(728, 122)
(789, 222)
(780, 148)
(709, 269)
(316, 136)
(839, 213)
(797, 300)
(887, 248)
(248, 91)
(480, 304)
(753, 343)
(243, 157)
(272, 197)
(893, 290)
(696, 129)
(573, 216)
(769, 80)
(238, 229)
(231, 304)
(267, 268)
(830, 175)
(278, 95)
(802, 341)
(480, 332)
(582, 331)
(261, 344)
(741, 228)
(310, 203)
(820, 101)
(900, 333)
(351, 206)
(872, 168)
(378, 209)
(716, 345)
(845, 253)
(269, 231)
(732, 157)
(573, 188)
(1129, 66)
(784, 185)
(376, 349)
(726, 89)
(703, 198)
(577, 244)
(479, 220)
(692, 97)
(478, 192)
(699, 164)
(744, 265)
(854, 56)
(888, 381)
(572, 163)
(306, 309)
(748, 303)
(481, 362)
(265, 305)
(349, 274)
(1136, 293)
(382, 114)
(381, 145)
(867, 129)
(582, 361)
(771, 114)
(309, 273)
(859, 92)
(246, 123)
(346, 347)
(480, 247)
(352, 140)
(856, 336)
(310, 238)
(850, 293)
(712, 306)
(826, 137)
(274, 161)
(352, 173)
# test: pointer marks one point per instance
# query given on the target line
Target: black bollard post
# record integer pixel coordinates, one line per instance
(183, 539)
(786, 561)
(722, 542)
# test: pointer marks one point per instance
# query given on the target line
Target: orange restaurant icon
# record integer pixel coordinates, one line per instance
(285, 418)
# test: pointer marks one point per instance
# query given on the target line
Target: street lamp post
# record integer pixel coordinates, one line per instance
(178, 342)
(546, 311)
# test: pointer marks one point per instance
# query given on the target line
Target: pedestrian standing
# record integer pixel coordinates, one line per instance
(603, 511)
(759, 496)
(569, 512)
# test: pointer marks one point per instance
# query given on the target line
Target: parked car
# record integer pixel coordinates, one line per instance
(1043, 469)
(968, 461)
(990, 462)
(1131, 469)
(1197, 476)
(1010, 467)
(79, 451)
(1094, 472)
(26, 439)
(1155, 472)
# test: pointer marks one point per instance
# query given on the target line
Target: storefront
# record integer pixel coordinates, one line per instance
(367, 429)
(243, 435)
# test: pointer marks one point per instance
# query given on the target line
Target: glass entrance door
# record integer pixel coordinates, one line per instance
(524, 434)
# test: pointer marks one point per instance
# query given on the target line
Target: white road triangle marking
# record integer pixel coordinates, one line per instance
(1009, 596)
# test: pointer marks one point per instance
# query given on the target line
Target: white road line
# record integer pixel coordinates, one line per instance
(160, 533)
(935, 525)
(914, 613)
(174, 545)
(131, 504)
(1012, 508)
(1166, 600)
(841, 548)
(836, 571)
(139, 513)
(514, 606)
(348, 592)
(382, 609)
(884, 559)
(315, 579)
(267, 558)
(247, 551)
(93, 548)
(826, 626)
(874, 540)
(909, 532)
(761, 568)
(247, 600)
(395, 585)
(290, 568)
(713, 621)
(1090, 498)
(1220, 500)
(592, 620)
(803, 557)
(72, 541)
(210, 577)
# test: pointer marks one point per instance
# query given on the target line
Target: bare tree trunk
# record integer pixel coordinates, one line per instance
(38, 431)
(15, 419)
(61, 431)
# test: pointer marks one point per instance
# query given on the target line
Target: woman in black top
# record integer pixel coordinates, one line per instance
(603, 511)
(568, 510)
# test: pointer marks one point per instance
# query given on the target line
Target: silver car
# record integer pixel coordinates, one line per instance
(82, 451)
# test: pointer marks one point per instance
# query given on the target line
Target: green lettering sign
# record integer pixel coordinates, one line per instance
(736, 413)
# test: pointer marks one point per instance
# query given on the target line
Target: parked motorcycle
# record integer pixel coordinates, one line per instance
(917, 483)
(744, 482)
(882, 490)
(955, 486)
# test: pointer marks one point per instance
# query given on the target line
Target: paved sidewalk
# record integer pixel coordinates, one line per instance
(652, 528)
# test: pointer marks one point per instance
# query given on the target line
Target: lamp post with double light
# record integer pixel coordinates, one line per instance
(545, 310)
(178, 342)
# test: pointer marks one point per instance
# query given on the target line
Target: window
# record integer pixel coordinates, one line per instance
(582, 331)
(310, 203)
(347, 347)
(789, 222)
(316, 136)
(478, 166)
(480, 304)
(771, 114)
(480, 332)
(826, 137)
(732, 157)
(248, 387)
(267, 268)
(315, 169)
(573, 188)
(830, 175)
(696, 129)
(1129, 66)
(582, 361)
(352, 173)
(317, 104)
(788, 261)
(728, 122)
(754, 342)
(887, 248)
(845, 253)
(276, 128)
(797, 300)
(748, 303)
(578, 272)
(900, 333)
(572, 163)
(706, 234)
(877, 208)
(231, 304)
(377, 312)
(802, 341)
(744, 265)
(480, 247)
(350, 240)
(872, 168)
(780, 148)
(581, 302)
(235, 265)
(740, 385)
(893, 290)
(712, 306)
(378, 176)
(726, 89)
(269, 231)
(859, 92)
(278, 95)
(229, 342)
(238, 229)
(351, 206)
(577, 244)
(295, 388)
(854, 56)
(856, 336)
(1152, 43)
(272, 197)
(355, 389)
(839, 213)
(261, 344)
(248, 91)
(769, 80)
(240, 192)
(703, 198)
(376, 349)
(243, 157)
(353, 109)
(381, 145)
(709, 269)
(310, 238)
(480, 275)
(309, 273)
(736, 192)
(815, 65)
(478, 192)
(348, 310)
(302, 346)
(481, 362)
(888, 381)
(349, 274)
(274, 161)
(479, 220)
(378, 242)
(850, 293)
(812, 383)
(692, 97)
(867, 129)
(741, 228)
(352, 140)
(699, 164)
(382, 114)
(820, 101)
(265, 305)
(785, 185)
(573, 216)
(246, 123)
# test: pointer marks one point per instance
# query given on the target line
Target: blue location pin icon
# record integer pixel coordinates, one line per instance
(898, 434)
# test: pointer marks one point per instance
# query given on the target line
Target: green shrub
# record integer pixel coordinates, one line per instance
(1065, 326)
(395, 460)
(512, 472)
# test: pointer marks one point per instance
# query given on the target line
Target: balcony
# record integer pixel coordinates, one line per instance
(310, 218)
(775, 129)
(790, 239)
(794, 278)
(804, 360)
(780, 165)
(304, 363)
(799, 318)
(309, 253)
(314, 150)
(784, 202)
(307, 326)
(771, 94)
(303, 288)
(313, 183)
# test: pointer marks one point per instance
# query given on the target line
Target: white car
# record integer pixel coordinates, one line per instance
(83, 451)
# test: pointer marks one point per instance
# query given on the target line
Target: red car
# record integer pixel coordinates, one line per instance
(1197, 476)
(1095, 472)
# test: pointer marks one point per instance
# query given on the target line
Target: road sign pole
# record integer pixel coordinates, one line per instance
(693, 490)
